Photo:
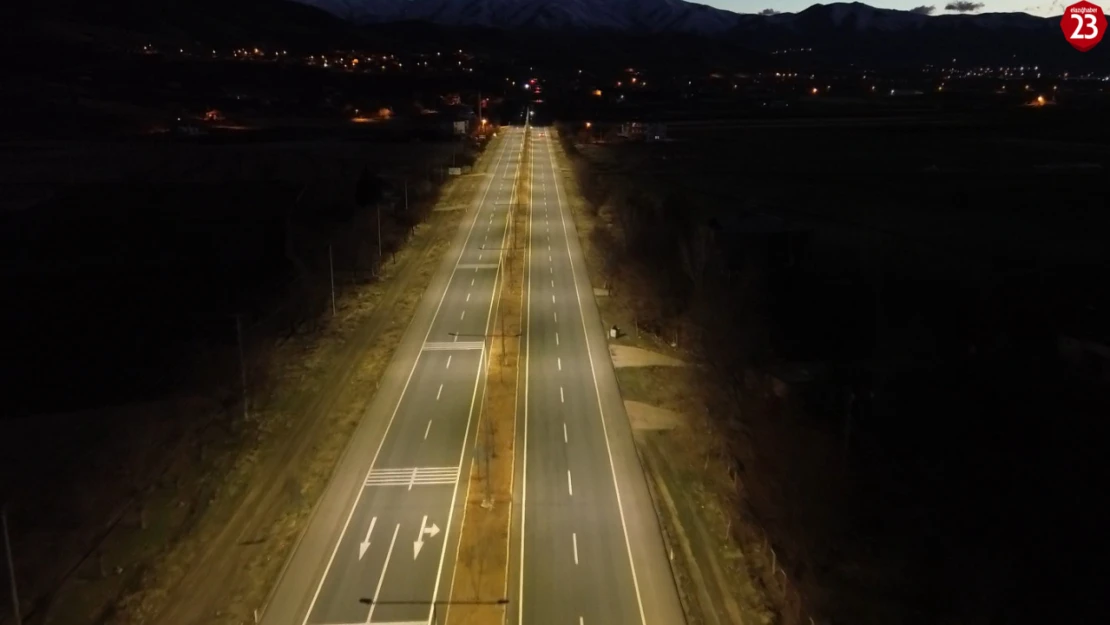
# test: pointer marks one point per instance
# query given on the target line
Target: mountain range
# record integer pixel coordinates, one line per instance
(658, 16)
(839, 33)
(574, 32)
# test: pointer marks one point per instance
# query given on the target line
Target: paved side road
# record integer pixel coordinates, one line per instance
(589, 547)
(375, 549)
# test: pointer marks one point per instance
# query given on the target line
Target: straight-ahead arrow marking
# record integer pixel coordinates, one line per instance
(419, 542)
(365, 544)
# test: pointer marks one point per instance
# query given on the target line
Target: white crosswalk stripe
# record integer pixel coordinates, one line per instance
(413, 476)
(445, 346)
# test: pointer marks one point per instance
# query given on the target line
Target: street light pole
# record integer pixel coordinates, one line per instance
(378, 206)
(11, 566)
(242, 363)
(371, 601)
(331, 272)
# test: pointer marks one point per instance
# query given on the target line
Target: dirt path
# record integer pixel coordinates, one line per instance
(224, 568)
(631, 356)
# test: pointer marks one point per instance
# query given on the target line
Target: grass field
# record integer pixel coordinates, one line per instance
(136, 490)
(938, 265)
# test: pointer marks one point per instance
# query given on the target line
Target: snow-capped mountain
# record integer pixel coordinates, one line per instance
(624, 15)
(654, 16)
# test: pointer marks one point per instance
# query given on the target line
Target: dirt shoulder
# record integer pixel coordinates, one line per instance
(721, 580)
(222, 524)
(480, 582)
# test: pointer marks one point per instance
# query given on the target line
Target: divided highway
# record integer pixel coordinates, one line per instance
(590, 549)
(375, 549)
(586, 542)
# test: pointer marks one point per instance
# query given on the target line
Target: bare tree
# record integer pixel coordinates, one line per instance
(606, 245)
(695, 250)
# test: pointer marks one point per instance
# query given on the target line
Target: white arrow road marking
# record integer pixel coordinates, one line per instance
(365, 544)
(418, 544)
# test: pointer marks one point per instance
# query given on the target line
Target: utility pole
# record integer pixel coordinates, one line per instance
(406, 194)
(331, 272)
(242, 363)
(11, 566)
(379, 209)
(848, 420)
(487, 502)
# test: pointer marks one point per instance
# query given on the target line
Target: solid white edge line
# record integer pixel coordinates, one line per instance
(597, 392)
(516, 394)
(404, 389)
(462, 457)
(524, 445)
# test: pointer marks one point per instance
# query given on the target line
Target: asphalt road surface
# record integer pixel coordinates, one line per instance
(375, 547)
(590, 549)
(586, 541)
